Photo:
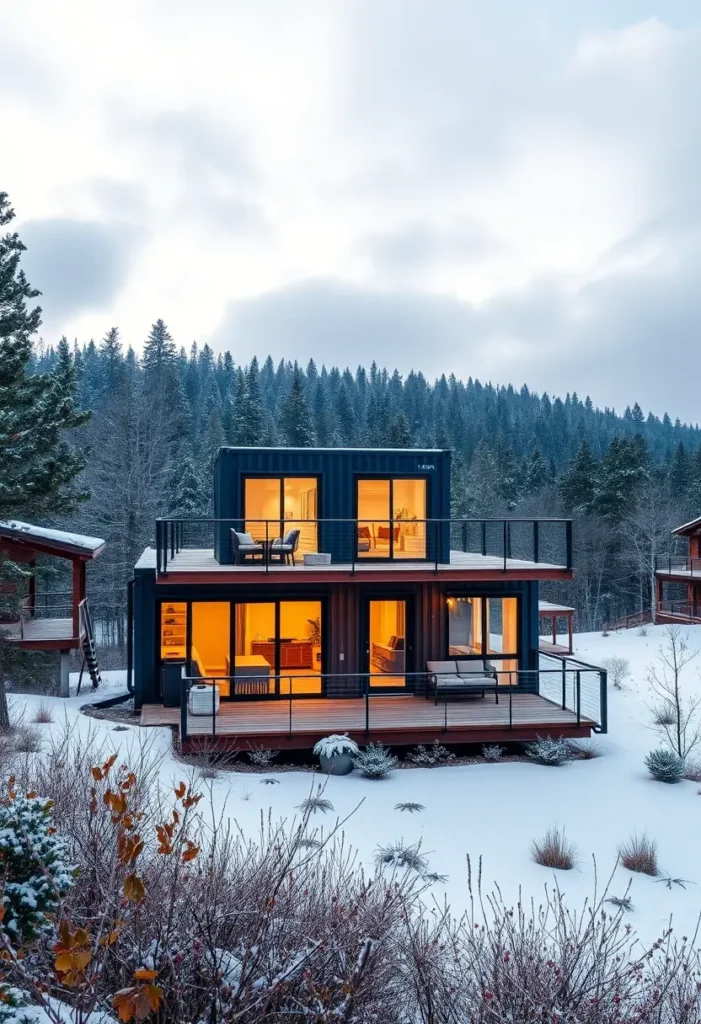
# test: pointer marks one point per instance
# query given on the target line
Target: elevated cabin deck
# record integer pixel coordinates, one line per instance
(43, 633)
(199, 565)
(397, 720)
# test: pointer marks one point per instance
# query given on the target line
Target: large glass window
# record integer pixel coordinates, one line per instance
(391, 518)
(387, 643)
(275, 506)
(282, 641)
(209, 654)
(485, 626)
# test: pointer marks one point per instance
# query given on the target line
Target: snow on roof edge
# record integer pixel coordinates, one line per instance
(15, 527)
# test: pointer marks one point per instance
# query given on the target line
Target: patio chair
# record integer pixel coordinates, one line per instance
(243, 545)
(283, 548)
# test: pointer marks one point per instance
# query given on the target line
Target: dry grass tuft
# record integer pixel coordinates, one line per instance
(554, 850)
(639, 854)
(44, 714)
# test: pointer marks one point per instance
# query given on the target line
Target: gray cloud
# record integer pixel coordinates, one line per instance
(418, 244)
(77, 265)
(630, 334)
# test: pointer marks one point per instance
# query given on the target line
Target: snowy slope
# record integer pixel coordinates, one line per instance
(494, 811)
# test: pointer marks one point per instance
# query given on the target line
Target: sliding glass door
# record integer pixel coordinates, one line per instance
(388, 651)
(281, 641)
(275, 506)
(391, 518)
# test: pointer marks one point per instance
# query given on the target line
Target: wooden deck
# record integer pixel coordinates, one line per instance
(402, 719)
(42, 633)
(192, 564)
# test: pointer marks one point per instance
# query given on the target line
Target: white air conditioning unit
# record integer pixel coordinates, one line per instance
(200, 699)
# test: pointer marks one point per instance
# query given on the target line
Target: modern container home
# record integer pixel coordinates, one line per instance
(678, 578)
(324, 588)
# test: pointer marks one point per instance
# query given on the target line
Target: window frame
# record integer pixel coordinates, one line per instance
(484, 598)
(390, 478)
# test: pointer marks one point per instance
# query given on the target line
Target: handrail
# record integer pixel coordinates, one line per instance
(671, 564)
(569, 664)
(437, 538)
(359, 686)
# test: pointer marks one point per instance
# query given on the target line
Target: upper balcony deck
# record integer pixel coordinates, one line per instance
(198, 550)
(680, 567)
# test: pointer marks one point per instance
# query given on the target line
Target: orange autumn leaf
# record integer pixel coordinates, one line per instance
(191, 852)
(192, 801)
(109, 939)
(129, 848)
(128, 782)
(144, 974)
(73, 954)
(180, 790)
(97, 774)
(137, 1002)
(108, 763)
(134, 889)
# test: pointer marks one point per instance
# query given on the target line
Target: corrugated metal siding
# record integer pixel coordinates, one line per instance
(337, 470)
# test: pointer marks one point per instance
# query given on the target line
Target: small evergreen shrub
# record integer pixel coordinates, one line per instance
(493, 752)
(409, 806)
(399, 855)
(554, 850)
(34, 866)
(665, 765)
(335, 745)
(552, 753)
(261, 757)
(375, 762)
(430, 757)
(639, 854)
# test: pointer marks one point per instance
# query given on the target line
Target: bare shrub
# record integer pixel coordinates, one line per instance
(584, 750)
(200, 755)
(27, 739)
(430, 757)
(692, 771)
(44, 714)
(639, 854)
(554, 850)
(617, 668)
(663, 714)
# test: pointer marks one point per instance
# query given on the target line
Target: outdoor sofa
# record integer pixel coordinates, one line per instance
(461, 679)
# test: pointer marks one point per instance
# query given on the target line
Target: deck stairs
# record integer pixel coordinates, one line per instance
(87, 644)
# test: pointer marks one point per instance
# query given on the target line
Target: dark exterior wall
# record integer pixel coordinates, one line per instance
(343, 619)
(337, 470)
(695, 546)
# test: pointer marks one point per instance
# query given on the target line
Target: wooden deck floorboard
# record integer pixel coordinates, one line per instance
(404, 714)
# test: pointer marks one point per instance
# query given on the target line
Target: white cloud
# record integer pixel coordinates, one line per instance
(502, 188)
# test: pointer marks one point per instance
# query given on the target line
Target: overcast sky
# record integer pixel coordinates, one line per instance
(507, 189)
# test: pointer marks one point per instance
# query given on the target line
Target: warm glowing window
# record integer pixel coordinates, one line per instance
(486, 626)
(281, 644)
(274, 506)
(391, 518)
(173, 631)
(209, 654)
(387, 643)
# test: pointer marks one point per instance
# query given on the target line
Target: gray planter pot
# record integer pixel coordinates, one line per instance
(339, 764)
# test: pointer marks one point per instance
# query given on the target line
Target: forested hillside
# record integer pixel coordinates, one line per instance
(158, 421)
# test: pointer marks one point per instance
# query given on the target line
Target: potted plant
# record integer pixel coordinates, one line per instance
(336, 754)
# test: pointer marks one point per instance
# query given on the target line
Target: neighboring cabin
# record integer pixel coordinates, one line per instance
(325, 589)
(678, 595)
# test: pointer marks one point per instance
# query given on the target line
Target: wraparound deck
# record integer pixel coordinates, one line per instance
(398, 719)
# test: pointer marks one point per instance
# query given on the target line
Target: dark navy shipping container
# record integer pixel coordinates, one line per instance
(337, 471)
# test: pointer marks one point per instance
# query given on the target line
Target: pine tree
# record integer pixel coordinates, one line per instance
(190, 493)
(159, 350)
(399, 435)
(253, 407)
(538, 473)
(296, 420)
(38, 466)
(110, 360)
(578, 487)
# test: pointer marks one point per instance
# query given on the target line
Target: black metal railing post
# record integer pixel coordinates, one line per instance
(464, 536)
(214, 708)
(564, 683)
(579, 696)
(603, 700)
(445, 716)
(354, 544)
(289, 732)
(511, 706)
(483, 526)
(367, 706)
(504, 543)
(183, 707)
(568, 542)
(536, 540)
(437, 527)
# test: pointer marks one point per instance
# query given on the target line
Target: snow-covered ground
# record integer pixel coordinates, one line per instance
(494, 811)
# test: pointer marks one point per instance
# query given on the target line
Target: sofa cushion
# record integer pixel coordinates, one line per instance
(446, 679)
(437, 667)
(245, 540)
(471, 668)
(477, 682)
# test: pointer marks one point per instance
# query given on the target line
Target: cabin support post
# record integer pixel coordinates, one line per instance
(570, 621)
(78, 593)
(65, 677)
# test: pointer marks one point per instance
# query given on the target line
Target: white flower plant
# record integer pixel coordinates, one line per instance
(335, 745)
